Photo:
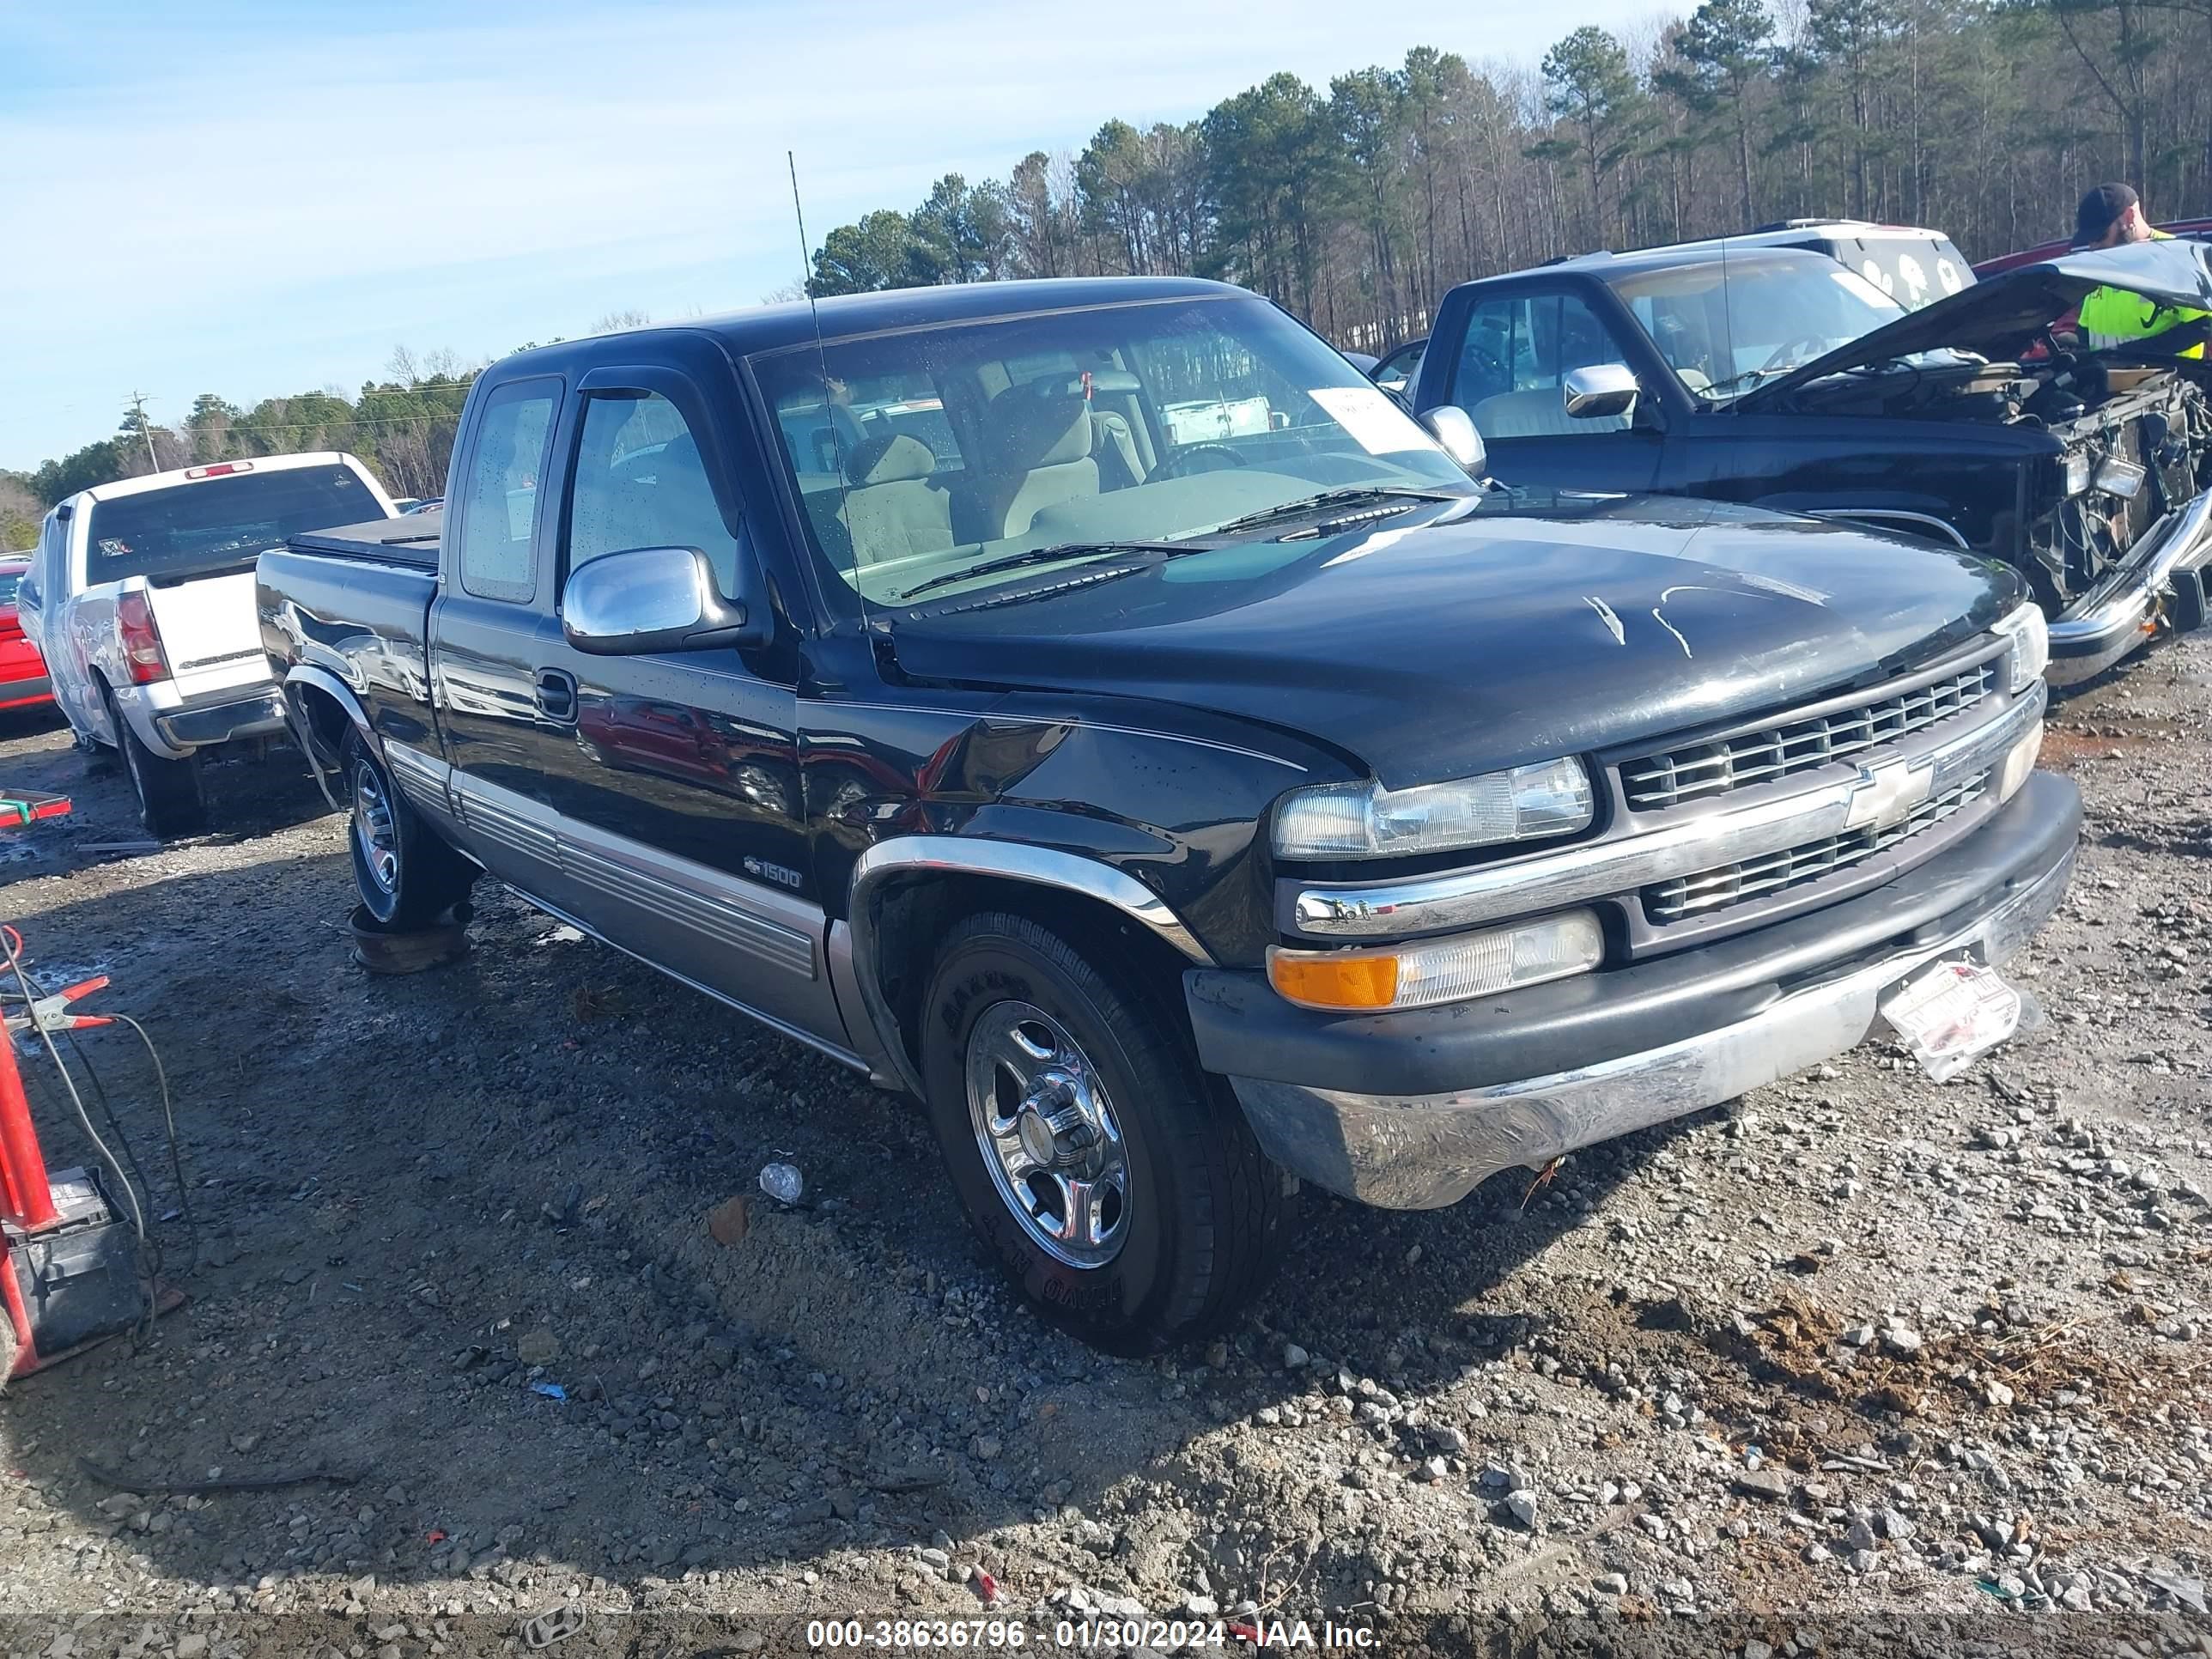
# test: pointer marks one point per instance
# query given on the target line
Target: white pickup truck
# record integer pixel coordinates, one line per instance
(141, 596)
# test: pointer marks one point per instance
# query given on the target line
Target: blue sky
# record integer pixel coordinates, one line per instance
(255, 198)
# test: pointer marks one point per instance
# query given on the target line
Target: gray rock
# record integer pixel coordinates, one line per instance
(1772, 1484)
(1894, 1526)
(1610, 1583)
(1860, 1535)
(1522, 1504)
(1295, 1358)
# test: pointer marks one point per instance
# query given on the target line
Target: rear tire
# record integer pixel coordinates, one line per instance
(407, 873)
(168, 791)
(1143, 1214)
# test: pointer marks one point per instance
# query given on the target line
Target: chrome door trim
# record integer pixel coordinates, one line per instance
(843, 1055)
(424, 779)
(771, 928)
(1039, 867)
(1683, 846)
(513, 821)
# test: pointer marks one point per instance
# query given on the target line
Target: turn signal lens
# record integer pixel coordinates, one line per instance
(1429, 971)
(2020, 762)
(2077, 469)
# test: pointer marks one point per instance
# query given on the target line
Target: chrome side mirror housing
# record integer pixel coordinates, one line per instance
(1600, 390)
(648, 600)
(1454, 430)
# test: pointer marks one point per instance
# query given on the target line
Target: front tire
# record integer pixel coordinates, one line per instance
(168, 791)
(1116, 1184)
(407, 873)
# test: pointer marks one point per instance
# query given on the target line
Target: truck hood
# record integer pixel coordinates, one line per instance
(2000, 316)
(1486, 632)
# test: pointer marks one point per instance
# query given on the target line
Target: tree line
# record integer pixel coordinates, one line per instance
(1358, 205)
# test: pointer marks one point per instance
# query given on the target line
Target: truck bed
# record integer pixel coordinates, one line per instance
(411, 538)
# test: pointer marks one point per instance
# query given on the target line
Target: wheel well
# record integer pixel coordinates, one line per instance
(914, 912)
(326, 720)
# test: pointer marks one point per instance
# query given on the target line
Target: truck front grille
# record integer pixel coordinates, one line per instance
(1735, 883)
(1653, 783)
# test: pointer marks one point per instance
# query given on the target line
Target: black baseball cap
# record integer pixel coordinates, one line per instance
(2100, 210)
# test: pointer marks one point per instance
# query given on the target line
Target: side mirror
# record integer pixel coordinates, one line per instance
(1451, 427)
(1600, 390)
(648, 600)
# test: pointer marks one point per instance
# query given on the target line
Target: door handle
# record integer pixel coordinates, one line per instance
(556, 693)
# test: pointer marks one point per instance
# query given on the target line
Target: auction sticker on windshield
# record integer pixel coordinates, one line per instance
(1376, 425)
(1951, 1014)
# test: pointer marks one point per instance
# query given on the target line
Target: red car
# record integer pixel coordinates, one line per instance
(2031, 256)
(23, 670)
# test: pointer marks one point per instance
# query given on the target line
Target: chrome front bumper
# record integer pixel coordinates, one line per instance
(1423, 1151)
(2113, 617)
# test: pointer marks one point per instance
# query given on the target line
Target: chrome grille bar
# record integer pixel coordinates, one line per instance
(1734, 883)
(1652, 783)
(1680, 846)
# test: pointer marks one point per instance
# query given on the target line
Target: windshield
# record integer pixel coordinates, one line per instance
(205, 526)
(1723, 326)
(923, 457)
(10, 580)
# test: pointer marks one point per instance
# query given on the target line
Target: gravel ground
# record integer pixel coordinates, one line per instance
(1861, 1362)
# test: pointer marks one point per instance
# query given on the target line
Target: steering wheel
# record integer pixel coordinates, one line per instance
(1173, 466)
(1492, 365)
(1782, 352)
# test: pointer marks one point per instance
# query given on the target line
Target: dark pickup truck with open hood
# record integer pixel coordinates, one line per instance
(1779, 377)
(1093, 709)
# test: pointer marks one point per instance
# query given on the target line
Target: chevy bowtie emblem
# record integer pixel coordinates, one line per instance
(1887, 793)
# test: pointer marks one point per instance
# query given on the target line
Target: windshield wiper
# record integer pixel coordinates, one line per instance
(1041, 556)
(1755, 376)
(1327, 498)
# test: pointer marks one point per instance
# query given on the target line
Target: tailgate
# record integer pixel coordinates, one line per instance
(210, 632)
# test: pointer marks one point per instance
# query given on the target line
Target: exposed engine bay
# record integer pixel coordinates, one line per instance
(2138, 438)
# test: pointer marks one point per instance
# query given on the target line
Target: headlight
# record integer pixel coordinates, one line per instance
(1430, 971)
(2117, 477)
(2077, 472)
(1367, 821)
(2031, 645)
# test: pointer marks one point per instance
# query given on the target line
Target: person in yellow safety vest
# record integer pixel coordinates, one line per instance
(2112, 216)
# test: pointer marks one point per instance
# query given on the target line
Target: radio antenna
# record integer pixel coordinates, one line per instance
(821, 355)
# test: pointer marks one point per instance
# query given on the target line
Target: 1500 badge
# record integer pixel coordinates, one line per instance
(781, 875)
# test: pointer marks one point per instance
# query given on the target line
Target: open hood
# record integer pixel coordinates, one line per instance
(1999, 318)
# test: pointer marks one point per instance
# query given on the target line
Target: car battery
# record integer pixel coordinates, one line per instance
(75, 1280)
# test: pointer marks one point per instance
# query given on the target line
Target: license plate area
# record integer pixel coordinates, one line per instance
(1951, 1013)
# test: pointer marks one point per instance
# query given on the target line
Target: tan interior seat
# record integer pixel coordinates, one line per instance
(1538, 413)
(1040, 455)
(892, 507)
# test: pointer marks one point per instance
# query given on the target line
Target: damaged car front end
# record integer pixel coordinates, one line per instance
(1779, 379)
(2113, 524)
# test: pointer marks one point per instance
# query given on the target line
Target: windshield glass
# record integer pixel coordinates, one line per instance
(10, 580)
(1725, 326)
(922, 457)
(206, 526)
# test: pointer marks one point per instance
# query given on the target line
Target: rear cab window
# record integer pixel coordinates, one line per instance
(496, 550)
(211, 526)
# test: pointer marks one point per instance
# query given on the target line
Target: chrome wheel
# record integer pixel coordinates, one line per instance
(374, 830)
(1047, 1135)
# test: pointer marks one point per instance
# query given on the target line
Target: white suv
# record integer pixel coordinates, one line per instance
(141, 597)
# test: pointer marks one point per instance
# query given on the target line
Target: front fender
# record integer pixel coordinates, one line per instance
(903, 857)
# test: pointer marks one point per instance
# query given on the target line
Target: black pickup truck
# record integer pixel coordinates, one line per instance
(1776, 377)
(1093, 709)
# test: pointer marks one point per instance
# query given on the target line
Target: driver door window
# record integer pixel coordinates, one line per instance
(1516, 353)
(640, 482)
